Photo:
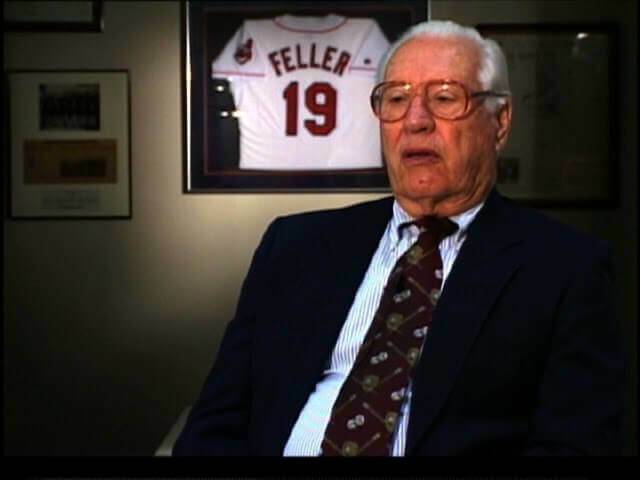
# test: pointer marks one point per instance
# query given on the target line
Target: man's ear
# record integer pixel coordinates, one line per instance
(504, 125)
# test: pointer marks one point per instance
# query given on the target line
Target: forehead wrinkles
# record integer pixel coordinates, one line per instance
(434, 57)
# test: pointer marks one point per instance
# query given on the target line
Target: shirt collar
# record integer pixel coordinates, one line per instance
(400, 216)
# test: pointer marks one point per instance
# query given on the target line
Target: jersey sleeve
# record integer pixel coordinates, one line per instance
(374, 46)
(240, 56)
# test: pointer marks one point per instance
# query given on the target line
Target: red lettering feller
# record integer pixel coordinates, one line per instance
(289, 59)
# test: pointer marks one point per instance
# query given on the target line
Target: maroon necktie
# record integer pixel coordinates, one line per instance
(365, 414)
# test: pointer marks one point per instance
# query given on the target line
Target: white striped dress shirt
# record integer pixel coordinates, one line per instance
(308, 432)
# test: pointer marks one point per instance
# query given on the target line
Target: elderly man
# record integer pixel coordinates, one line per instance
(444, 320)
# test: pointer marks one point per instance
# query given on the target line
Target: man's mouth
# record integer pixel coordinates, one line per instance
(420, 155)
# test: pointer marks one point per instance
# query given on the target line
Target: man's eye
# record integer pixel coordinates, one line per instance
(397, 98)
(444, 99)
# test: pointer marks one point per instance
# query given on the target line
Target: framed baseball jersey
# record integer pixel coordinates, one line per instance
(301, 88)
(278, 97)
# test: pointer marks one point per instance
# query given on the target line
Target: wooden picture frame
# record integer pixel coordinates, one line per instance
(213, 161)
(69, 148)
(52, 16)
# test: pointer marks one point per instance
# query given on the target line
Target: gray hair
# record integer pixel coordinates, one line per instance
(493, 73)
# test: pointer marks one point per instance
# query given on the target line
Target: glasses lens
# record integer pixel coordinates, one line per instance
(446, 100)
(443, 100)
(393, 102)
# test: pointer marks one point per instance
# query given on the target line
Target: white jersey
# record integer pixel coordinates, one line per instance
(301, 86)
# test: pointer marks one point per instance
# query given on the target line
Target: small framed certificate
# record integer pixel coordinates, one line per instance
(563, 146)
(69, 146)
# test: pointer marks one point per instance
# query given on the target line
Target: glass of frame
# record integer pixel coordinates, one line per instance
(52, 16)
(563, 145)
(276, 95)
(69, 145)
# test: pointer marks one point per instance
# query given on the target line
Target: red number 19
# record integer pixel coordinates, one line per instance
(320, 98)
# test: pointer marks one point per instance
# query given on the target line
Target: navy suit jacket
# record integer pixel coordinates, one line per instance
(522, 357)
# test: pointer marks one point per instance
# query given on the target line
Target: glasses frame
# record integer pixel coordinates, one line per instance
(415, 89)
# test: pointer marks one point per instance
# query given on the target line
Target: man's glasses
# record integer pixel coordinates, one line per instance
(445, 99)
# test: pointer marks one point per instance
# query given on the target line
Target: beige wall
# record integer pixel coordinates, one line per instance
(111, 326)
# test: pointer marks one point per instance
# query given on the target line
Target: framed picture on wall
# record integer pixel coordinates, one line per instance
(563, 146)
(276, 95)
(52, 16)
(69, 144)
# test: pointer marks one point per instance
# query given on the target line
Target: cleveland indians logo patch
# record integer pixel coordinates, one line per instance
(243, 53)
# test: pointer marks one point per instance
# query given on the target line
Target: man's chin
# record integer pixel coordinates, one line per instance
(421, 194)
(425, 188)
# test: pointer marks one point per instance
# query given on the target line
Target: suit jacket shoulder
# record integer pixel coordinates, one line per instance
(522, 344)
(335, 221)
(504, 221)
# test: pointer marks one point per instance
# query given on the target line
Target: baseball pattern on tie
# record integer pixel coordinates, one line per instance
(365, 414)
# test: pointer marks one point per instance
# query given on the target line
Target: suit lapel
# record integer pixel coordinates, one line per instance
(486, 261)
(346, 248)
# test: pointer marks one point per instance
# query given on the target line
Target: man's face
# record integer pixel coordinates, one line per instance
(435, 165)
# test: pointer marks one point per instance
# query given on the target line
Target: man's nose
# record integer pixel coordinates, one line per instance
(418, 117)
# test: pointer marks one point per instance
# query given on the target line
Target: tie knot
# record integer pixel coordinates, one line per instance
(436, 227)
